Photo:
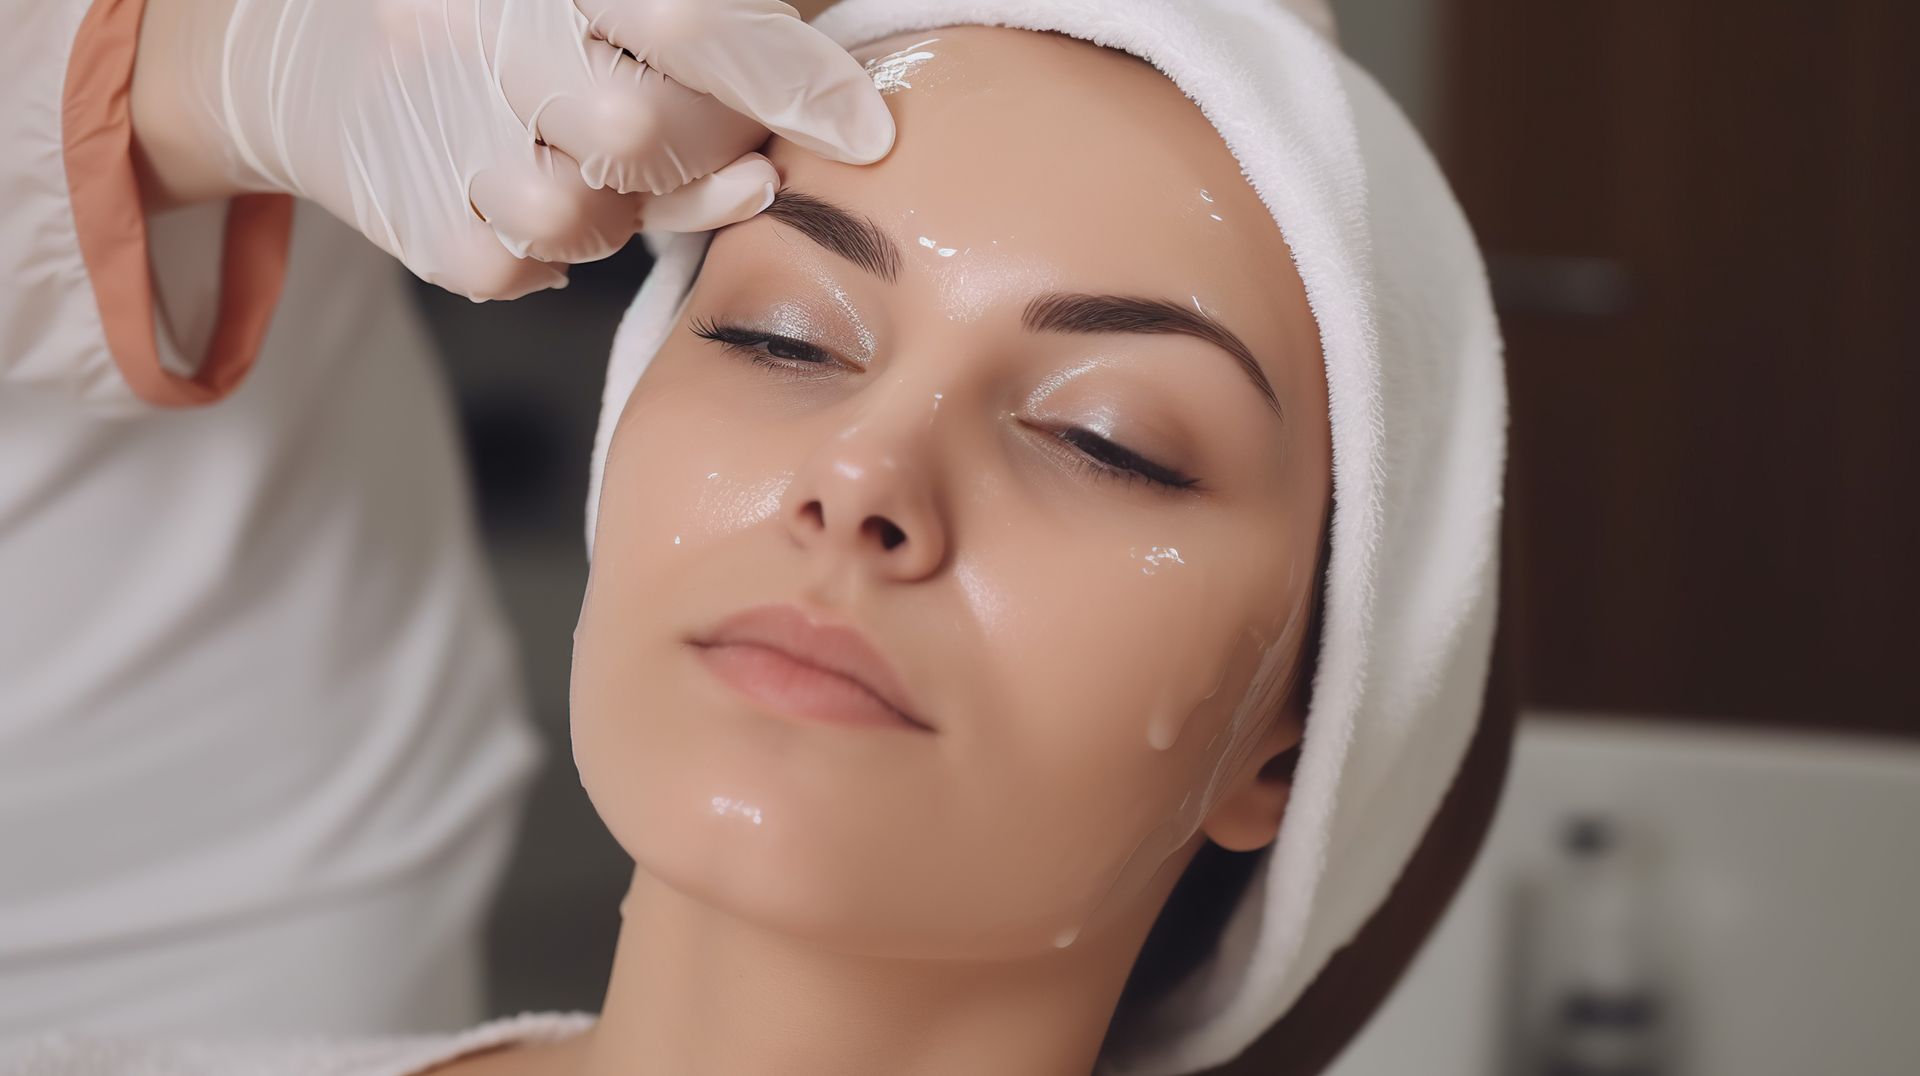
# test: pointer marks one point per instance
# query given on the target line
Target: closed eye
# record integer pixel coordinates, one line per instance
(1124, 462)
(771, 348)
(1101, 457)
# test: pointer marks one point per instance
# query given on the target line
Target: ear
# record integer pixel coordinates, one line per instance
(1247, 817)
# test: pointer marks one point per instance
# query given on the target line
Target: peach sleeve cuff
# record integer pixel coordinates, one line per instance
(111, 225)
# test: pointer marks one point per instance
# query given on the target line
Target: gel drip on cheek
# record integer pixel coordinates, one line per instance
(1176, 701)
(1171, 716)
(726, 806)
(1208, 207)
(1270, 650)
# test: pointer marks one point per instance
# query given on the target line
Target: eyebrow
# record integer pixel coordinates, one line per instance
(841, 231)
(865, 244)
(1068, 312)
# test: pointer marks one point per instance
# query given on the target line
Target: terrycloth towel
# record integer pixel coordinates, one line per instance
(1418, 408)
(60, 1054)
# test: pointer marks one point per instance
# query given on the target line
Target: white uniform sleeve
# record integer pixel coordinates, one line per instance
(77, 302)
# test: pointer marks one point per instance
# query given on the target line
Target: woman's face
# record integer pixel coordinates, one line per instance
(1035, 408)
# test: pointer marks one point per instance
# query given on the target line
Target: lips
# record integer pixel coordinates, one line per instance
(787, 661)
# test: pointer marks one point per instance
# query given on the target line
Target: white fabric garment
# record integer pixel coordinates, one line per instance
(261, 732)
(92, 1055)
(1418, 410)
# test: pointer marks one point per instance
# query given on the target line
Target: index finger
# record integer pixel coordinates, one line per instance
(758, 58)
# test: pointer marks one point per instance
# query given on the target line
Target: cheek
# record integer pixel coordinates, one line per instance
(679, 486)
(1118, 639)
(683, 470)
(1123, 665)
(1119, 672)
(1122, 662)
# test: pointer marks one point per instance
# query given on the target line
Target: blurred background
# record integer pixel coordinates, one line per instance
(1700, 223)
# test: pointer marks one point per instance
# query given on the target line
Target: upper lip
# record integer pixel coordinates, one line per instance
(838, 648)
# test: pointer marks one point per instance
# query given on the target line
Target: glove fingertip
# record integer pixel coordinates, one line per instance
(735, 193)
(863, 135)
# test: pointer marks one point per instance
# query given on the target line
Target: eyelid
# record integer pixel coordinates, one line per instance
(816, 311)
(796, 291)
(1094, 418)
(1060, 438)
(749, 342)
(1085, 447)
(1147, 470)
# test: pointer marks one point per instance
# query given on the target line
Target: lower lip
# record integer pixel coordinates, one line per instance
(779, 683)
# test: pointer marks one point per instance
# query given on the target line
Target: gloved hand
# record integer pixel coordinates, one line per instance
(489, 143)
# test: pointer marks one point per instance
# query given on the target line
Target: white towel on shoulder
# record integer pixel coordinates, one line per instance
(58, 1054)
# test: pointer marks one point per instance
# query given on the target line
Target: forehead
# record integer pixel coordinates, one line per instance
(1038, 161)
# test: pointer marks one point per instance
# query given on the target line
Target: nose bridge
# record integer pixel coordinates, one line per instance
(887, 433)
(871, 487)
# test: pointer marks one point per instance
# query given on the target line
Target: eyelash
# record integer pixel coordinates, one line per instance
(1103, 458)
(1093, 453)
(758, 346)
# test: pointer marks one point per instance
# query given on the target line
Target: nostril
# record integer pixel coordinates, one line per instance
(814, 514)
(891, 537)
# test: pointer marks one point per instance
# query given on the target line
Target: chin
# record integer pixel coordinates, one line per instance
(859, 842)
(800, 889)
(739, 811)
(854, 900)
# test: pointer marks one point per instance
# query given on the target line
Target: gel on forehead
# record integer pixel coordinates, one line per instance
(890, 73)
(1020, 170)
(1417, 407)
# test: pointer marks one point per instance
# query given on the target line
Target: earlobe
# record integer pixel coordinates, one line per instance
(1248, 817)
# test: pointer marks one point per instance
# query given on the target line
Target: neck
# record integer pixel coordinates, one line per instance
(695, 991)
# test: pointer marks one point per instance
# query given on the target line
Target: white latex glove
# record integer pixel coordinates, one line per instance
(489, 143)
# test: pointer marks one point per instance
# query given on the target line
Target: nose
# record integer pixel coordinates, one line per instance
(868, 496)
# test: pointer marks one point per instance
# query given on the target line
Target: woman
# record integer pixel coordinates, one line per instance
(957, 558)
